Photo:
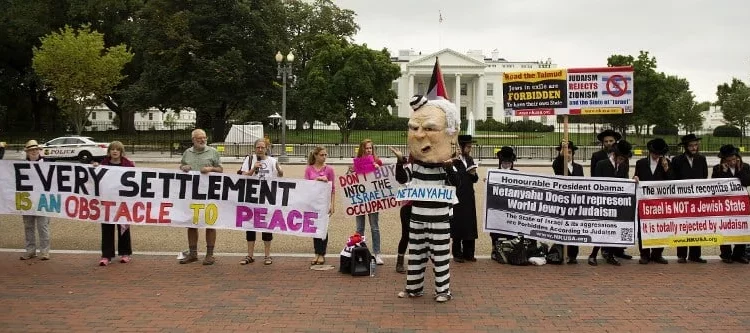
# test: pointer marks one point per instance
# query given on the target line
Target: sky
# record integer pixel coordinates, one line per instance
(706, 42)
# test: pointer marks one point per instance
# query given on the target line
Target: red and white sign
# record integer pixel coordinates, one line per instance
(597, 91)
(535, 112)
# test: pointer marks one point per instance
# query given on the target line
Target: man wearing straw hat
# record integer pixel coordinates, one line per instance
(690, 165)
(653, 167)
(32, 222)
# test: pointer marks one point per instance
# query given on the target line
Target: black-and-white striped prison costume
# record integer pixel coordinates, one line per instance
(429, 228)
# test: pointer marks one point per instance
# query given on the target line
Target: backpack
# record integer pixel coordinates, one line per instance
(555, 255)
(513, 251)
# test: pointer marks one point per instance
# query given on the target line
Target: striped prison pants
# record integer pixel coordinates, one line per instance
(428, 240)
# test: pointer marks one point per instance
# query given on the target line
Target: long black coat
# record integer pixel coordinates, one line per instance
(605, 169)
(682, 169)
(600, 155)
(557, 166)
(464, 222)
(643, 171)
(743, 174)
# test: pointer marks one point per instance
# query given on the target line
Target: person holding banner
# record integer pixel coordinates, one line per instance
(317, 169)
(506, 157)
(32, 223)
(616, 168)
(690, 165)
(574, 169)
(366, 151)
(405, 216)
(464, 221)
(263, 166)
(607, 138)
(205, 159)
(432, 130)
(654, 167)
(115, 157)
(731, 166)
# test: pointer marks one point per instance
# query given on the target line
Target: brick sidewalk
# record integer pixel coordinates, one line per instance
(154, 293)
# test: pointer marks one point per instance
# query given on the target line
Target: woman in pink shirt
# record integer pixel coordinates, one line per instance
(318, 170)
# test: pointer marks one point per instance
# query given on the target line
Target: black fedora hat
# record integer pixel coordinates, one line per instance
(728, 150)
(608, 132)
(658, 146)
(623, 148)
(464, 139)
(506, 154)
(571, 146)
(688, 139)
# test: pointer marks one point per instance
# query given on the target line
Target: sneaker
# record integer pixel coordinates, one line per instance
(190, 257)
(208, 260)
(28, 256)
(378, 260)
(125, 259)
(44, 256)
(404, 294)
(104, 262)
(442, 298)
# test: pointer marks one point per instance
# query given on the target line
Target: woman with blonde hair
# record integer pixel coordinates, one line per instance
(317, 169)
(33, 223)
(115, 157)
(367, 148)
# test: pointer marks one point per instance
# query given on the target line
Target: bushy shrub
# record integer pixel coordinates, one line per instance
(528, 126)
(727, 131)
(665, 130)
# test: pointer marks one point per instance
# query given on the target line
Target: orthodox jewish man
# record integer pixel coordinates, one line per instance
(432, 129)
(653, 167)
(607, 138)
(617, 167)
(464, 221)
(731, 166)
(690, 165)
(574, 169)
(506, 156)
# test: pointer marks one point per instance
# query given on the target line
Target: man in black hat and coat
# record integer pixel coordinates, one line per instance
(654, 167)
(731, 166)
(617, 167)
(506, 156)
(464, 221)
(607, 138)
(690, 165)
(574, 169)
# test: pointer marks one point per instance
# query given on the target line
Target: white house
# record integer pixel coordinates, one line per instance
(102, 119)
(473, 80)
(711, 119)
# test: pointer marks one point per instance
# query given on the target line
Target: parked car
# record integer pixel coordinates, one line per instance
(76, 148)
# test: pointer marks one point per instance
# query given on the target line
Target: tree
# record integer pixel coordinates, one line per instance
(343, 79)
(646, 83)
(79, 69)
(734, 101)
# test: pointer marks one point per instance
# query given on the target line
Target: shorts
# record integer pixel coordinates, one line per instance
(265, 236)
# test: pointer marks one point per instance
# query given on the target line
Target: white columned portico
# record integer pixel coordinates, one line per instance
(458, 92)
(411, 88)
(481, 111)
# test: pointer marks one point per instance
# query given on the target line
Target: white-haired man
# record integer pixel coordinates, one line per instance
(204, 158)
(433, 127)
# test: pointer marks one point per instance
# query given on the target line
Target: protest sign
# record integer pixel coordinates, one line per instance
(369, 193)
(564, 210)
(695, 212)
(537, 92)
(433, 193)
(164, 197)
(364, 165)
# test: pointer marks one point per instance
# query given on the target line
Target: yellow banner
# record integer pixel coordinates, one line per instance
(601, 111)
(696, 240)
(535, 75)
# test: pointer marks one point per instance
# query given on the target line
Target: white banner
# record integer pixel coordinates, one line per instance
(165, 197)
(369, 193)
(441, 193)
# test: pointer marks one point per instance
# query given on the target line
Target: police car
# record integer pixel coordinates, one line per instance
(76, 148)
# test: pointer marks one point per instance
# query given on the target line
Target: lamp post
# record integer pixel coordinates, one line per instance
(283, 71)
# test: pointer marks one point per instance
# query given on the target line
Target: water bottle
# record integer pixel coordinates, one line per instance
(372, 266)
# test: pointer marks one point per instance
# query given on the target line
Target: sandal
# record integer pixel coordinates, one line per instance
(267, 261)
(247, 260)
(322, 260)
(315, 261)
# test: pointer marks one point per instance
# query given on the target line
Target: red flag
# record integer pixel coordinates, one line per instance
(436, 89)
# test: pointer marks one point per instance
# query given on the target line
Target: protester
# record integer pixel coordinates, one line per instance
(654, 167)
(574, 169)
(607, 138)
(464, 221)
(615, 168)
(317, 169)
(367, 148)
(432, 129)
(33, 223)
(115, 157)
(690, 165)
(506, 157)
(405, 217)
(205, 159)
(731, 166)
(2, 150)
(263, 166)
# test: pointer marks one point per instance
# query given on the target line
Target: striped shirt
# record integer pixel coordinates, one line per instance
(417, 175)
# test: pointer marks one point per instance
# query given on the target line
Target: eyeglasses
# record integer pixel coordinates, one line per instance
(322, 154)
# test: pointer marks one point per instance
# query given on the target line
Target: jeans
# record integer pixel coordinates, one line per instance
(375, 229)
(33, 224)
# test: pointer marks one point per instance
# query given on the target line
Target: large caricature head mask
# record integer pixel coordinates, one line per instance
(433, 128)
